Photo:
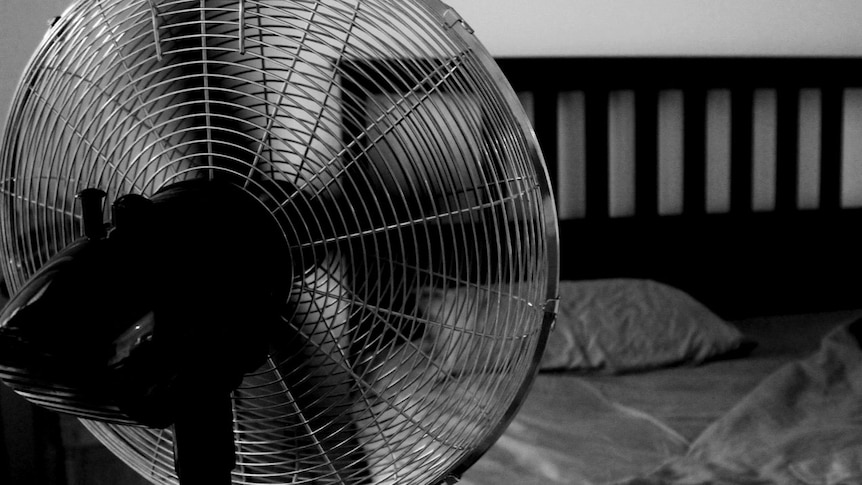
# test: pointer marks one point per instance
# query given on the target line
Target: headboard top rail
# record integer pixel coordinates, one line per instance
(610, 73)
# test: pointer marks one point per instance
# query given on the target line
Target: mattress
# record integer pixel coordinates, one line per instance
(657, 426)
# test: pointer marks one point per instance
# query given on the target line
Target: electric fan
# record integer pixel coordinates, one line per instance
(280, 241)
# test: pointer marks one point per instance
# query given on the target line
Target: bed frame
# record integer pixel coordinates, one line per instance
(734, 179)
(738, 180)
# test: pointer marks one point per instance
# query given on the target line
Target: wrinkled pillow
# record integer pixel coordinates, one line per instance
(626, 325)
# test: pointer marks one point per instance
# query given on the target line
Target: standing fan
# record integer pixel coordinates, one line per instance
(331, 248)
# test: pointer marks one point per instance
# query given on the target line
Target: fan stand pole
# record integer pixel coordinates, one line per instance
(203, 438)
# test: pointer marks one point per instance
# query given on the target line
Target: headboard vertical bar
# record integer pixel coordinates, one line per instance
(810, 124)
(670, 152)
(851, 149)
(694, 151)
(646, 152)
(596, 148)
(571, 158)
(545, 125)
(787, 149)
(718, 150)
(621, 153)
(741, 149)
(832, 115)
(528, 102)
(764, 146)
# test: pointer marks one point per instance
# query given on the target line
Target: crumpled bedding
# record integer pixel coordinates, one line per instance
(800, 424)
(567, 432)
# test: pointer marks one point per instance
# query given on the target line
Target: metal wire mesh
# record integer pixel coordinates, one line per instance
(399, 165)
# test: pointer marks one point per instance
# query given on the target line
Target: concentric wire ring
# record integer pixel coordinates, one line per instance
(403, 173)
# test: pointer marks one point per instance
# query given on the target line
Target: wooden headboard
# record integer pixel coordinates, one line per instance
(735, 179)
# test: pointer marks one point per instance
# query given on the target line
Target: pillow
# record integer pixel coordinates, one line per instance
(625, 325)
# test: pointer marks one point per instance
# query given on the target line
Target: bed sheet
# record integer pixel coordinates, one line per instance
(591, 429)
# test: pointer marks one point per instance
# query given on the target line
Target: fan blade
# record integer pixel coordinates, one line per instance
(318, 375)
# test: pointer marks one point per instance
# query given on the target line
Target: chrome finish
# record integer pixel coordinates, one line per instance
(401, 169)
(154, 16)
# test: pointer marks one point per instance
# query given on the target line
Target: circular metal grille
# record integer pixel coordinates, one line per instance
(401, 169)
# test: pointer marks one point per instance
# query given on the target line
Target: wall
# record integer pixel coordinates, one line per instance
(572, 28)
(666, 27)
(22, 25)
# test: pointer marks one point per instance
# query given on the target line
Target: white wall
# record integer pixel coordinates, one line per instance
(22, 25)
(666, 27)
(572, 27)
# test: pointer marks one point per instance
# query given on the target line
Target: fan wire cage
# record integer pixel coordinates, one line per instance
(400, 168)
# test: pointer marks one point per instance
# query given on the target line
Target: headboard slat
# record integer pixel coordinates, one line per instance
(718, 150)
(646, 151)
(622, 186)
(741, 150)
(670, 152)
(571, 193)
(764, 147)
(545, 108)
(596, 149)
(810, 120)
(787, 149)
(852, 149)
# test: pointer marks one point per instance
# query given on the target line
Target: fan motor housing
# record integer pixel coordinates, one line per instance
(182, 294)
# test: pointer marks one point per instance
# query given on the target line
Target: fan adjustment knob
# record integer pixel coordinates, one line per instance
(92, 212)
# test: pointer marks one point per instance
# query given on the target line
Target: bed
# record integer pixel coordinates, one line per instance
(787, 411)
(720, 194)
(710, 328)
